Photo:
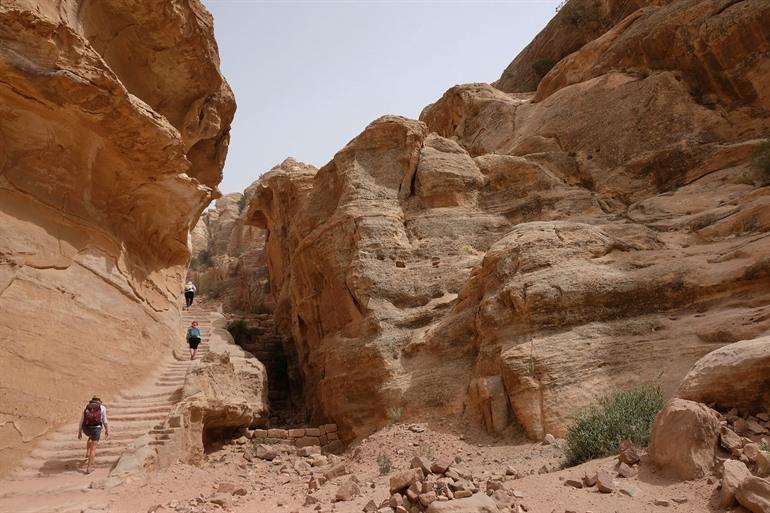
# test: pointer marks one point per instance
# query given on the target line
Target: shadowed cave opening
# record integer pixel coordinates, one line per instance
(257, 335)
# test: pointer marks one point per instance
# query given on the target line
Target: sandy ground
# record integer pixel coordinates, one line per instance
(278, 487)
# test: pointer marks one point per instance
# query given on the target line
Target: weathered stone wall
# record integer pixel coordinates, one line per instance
(512, 256)
(106, 161)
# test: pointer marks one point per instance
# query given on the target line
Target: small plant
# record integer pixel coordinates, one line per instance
(241, 203)
(760, 161)
(239, 330)
(384, 463)
(394, 413)
(425, 451)
(599, 430)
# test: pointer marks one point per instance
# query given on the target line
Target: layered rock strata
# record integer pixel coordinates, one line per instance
(115, 125)
(512, 256)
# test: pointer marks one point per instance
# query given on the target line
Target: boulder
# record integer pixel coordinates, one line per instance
(754, 494)
(227, 391)
(347, 491)
(734, 473)
(478, 503)
(403, 480)
(734, 375)
(684, 438)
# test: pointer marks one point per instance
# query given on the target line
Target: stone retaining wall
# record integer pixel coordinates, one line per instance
(324, 436)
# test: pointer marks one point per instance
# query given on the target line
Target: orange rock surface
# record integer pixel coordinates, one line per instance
(108, 157)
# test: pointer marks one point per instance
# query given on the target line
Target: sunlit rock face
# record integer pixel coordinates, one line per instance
(513, 255)
(114, 126)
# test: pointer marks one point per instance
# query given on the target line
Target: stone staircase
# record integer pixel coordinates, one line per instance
(56, 463)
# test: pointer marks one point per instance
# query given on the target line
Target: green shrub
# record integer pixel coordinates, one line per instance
(239, 330)
(394, 413)
(384, 463)
(241, 203)
(760, 161)
(598, 430)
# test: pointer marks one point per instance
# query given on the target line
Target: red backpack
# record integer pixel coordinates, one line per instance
(92, 416)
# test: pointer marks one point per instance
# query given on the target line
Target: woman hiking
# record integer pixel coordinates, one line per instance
(193, 338)
(92, 420)
(189, 293)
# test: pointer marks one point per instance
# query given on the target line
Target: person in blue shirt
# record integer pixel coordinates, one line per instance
(193, 338)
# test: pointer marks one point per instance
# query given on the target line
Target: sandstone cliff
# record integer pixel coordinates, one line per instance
(115, 125)
(229, 263)
(512, 255)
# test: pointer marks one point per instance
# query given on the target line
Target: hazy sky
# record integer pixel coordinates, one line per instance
(308, 76)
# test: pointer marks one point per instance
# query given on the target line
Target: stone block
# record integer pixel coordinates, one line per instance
(277, 433)
(312, 432)
(296, 433)
(307, 440)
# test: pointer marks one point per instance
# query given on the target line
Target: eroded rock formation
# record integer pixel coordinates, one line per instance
(229, 261)
(513, 255)
(115, 125)
(226, 392)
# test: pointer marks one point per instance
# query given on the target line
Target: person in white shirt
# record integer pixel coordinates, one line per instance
(189, 293)
(92, 420)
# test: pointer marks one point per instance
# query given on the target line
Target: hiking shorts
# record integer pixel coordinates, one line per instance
(93, 432)
(193, 342)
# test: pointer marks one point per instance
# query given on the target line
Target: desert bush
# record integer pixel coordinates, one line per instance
(241, 203)
(760, 161)
(384, 464)
(598, 430)
(394, 413)
(425, 451)
(239, 330)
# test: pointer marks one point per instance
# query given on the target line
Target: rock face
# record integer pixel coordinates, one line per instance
(685, 438)
(229, 261)
(735, 375)
(108, 158)
(515, 255)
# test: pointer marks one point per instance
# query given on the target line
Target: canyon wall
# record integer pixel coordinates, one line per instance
(516, 253)
(114, 126)
(229, 263)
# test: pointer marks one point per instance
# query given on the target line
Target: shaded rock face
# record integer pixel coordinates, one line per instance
(578, 22)
(104, 169)
(514, 256)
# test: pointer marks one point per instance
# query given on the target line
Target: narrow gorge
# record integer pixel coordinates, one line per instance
(444, 297)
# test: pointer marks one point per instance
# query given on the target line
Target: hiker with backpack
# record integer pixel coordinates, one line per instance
(92, 420)
(193, 338)
(189, 293)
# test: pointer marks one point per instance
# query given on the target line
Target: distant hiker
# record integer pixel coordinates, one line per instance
(193, 338)
(189, 293)
(92, 420)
